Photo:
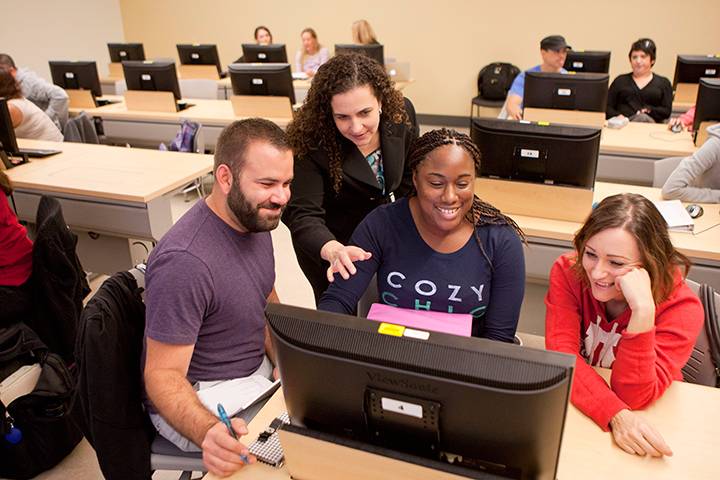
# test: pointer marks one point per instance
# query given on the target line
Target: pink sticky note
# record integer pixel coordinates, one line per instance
(455, 323)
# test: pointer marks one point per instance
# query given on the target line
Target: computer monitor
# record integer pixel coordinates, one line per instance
(273, 53)
(151, 75)
(76, 76)
(8, 141)
(196, 54)
(121, 52)
(269, 79)
(550, 154)
(589, 61)
(432, 395)
(566, 91)
(690, 68)
(373, 50)
(707, 106)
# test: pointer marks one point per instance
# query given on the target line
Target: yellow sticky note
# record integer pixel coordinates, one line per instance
(390, 329)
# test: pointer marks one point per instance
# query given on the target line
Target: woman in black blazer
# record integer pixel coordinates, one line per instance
(350, 139)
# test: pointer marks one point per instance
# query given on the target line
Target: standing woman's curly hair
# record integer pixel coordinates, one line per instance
(314, 126)
(481, 213)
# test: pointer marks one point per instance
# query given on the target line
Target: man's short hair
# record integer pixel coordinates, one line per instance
(7, 60)
(237, 137)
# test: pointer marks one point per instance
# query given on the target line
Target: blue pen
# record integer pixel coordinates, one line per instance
(224, 418)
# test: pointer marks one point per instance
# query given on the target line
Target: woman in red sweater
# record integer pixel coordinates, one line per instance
(620, 301)
(15, 262)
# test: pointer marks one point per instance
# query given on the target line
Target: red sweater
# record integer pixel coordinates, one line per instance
(643, 364)
(15, 248)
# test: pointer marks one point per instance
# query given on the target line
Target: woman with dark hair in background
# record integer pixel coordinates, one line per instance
(641, 96)
(350, 139)
(15, 262)
(620, 301)
(263, 36)
(442, 248)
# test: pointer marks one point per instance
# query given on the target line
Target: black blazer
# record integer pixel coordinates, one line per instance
(316, 214)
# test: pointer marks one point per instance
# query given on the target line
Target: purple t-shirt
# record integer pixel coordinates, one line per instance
(207, 285)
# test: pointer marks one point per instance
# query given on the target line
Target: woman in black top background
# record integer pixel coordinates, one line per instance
(641, 96)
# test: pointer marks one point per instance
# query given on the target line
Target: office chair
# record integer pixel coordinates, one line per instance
(700, 368)
(662, 169)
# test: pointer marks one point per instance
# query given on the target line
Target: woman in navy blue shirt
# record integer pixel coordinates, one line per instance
(441, 248)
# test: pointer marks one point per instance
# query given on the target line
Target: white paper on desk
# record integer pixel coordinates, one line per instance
(675, 215)
(236, 395)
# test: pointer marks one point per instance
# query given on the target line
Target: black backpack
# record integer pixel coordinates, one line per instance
(495, 79)
(44, 416)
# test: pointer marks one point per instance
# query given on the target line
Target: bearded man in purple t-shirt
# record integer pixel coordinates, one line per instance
(208, 282)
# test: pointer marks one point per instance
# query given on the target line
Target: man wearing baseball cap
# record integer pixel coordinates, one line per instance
(553, 50)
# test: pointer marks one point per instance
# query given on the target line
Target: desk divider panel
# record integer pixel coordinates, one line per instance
(536, 199)
(115, 70)
(143, 101)
(702, 134)
(568, 117)
(80, 99)
(686, 93)
(261, 106)
(198, 72)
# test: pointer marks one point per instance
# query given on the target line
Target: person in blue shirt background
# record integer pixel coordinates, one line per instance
(553, 50)
(442, 248)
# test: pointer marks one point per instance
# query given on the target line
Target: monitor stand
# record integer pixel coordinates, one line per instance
(312, 455)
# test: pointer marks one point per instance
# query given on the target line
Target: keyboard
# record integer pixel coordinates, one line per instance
(101, 102)
(183, 106)
(38, 152)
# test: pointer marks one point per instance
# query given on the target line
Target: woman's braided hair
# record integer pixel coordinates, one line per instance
(481, 213)
(314, 126)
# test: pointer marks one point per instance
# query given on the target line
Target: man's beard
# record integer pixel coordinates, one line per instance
(249, 215)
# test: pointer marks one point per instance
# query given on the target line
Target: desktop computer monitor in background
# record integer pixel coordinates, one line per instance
(156, 76)
(551, 154)
(273, 53)
(566, 91)
(76, 76)
(707, 107)
(587, 61)
(196, 54)
(374, 51)
(121, 52)
(8, 141)
(500, 407)
(690, 68)
(270, 79)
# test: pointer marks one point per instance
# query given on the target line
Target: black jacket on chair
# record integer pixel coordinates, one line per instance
(109, 350)
(316, 214)
(58, 279)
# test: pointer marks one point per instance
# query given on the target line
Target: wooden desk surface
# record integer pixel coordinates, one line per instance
(678, 106)
(704, 244)
(105, 172)
(687, 416)
(205, 111)
(646, 140)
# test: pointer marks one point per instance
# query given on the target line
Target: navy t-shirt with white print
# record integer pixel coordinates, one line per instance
(412, 275)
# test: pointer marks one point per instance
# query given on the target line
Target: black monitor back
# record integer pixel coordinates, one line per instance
(273, 53)
(270, 79)
(8, 141)
(566, 91)
(121, 52)
(199, 54)
(154, 76)
(587, 61)
(550, 154)
(372, 50)
(484, 400)
(707, 106)
(690, 68)
(76, 76)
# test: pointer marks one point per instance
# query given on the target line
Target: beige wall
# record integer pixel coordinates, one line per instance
(446, 42)
(36, 31)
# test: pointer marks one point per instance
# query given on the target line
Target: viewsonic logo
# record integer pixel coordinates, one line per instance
(403, 383)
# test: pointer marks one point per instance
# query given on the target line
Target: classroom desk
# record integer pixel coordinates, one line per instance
(686, 415)
(627, 155)
(151, 128)
(108, 194)
(548, 239)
